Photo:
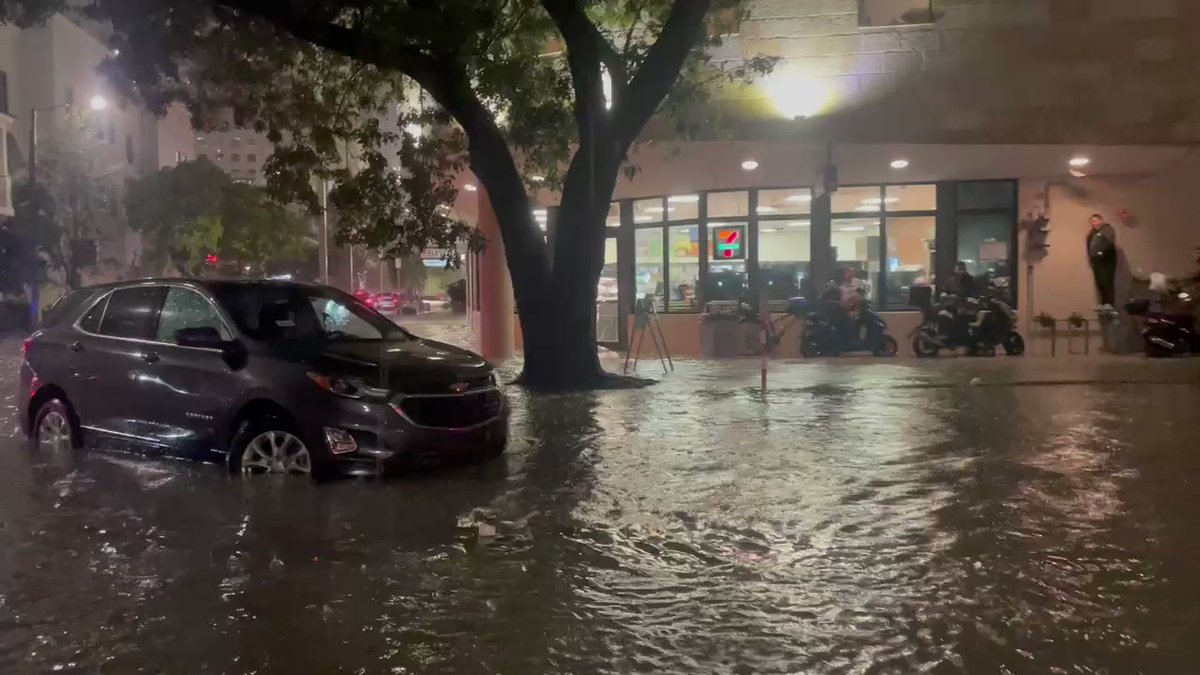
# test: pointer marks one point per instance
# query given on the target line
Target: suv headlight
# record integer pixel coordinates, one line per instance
(347, 387)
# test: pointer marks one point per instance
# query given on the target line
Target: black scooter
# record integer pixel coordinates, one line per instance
(1168, 333)
(833, 331)
(978, 325)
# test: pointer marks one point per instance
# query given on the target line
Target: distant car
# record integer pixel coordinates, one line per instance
(366, 297)
(387, 303)
(265, 377)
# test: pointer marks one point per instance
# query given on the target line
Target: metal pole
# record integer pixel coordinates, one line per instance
(34, 282)
(324, 231)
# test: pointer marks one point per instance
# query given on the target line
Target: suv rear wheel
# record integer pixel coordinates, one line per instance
(270, 446)
(53, 428)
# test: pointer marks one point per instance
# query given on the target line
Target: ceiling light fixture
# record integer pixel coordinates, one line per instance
(537, 179)
(865, 208)
(657, 209)
(766, 209)
(799, 198)
(1078, 174)
(799, 223)
(900, 164)
(749, 165)
(470, 187)
(1079, 161)
(540, 212)
(643, 219)
(682, 199)
(853, 228)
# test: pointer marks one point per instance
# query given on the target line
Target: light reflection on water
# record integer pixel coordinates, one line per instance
(846, 522)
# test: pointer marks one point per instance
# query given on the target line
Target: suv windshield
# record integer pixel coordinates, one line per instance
(273, 313)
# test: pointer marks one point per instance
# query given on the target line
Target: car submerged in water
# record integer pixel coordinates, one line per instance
(262, 376)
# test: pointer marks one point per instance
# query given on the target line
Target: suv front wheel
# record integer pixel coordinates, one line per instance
(270, 446)
(53, 427)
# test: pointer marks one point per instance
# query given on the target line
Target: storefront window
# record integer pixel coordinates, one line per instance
(614, 215)
(783, 257)
(910, 256)
(985, 195)
(727, 262)
(729, 204)
(856, 247)
(984, 244)
(648, 264)
(910, 198)
(607, 317)
(857, 200)
(683, 207)
(648, 211)
(683, 267)
(784, 202)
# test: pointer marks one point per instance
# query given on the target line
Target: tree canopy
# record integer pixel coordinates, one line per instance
(387, 100)
(194, 209)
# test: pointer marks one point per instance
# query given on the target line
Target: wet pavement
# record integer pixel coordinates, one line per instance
(958, 516)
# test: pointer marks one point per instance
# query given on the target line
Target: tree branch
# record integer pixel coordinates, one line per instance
(581, 35)
(660, 68)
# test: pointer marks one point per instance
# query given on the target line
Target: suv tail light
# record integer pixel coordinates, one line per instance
(25, 345)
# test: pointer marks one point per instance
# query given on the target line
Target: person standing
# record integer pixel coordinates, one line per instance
(1102, 257)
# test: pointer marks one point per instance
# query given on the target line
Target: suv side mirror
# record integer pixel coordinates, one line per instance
(203, 337)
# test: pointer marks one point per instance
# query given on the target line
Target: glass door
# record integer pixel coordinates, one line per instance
(608, 315)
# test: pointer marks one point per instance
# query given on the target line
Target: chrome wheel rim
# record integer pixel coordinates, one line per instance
(54, 431)
(276, 452)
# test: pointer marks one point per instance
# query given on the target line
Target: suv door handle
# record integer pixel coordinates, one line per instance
(76, 346)
(150, 357)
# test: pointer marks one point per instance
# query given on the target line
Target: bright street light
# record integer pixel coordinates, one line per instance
(98, 102)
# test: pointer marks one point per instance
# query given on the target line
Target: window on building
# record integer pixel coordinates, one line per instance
(253, 172)
(910, 256)
(985, 245)
(784, 202)
(614, 215)
(683, 267)
(3, 92)
(179, 157)
(69, 96)
(894, 12)
(250, 142)
(856, 200)
(251, 157)
(235, 157)
(607, 315)
(784, 256)
(649, 278)
(129, 148)
(202, 155)
(855, 246)
(729, 204)
(235, 142)
(910, 198)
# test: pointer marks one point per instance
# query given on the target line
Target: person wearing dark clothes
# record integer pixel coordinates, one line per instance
(962, 283)
(1102, 256)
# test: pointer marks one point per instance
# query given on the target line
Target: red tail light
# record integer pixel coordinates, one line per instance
(25, 345)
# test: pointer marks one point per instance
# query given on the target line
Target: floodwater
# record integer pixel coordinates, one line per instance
(861, 517)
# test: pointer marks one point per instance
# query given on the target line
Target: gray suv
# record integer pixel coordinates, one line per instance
(264, 377)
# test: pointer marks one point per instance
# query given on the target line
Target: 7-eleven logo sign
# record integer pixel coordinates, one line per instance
(727, 243)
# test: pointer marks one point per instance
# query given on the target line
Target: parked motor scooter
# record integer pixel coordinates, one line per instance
(977, 325)
(834, 330)
(1170, 326)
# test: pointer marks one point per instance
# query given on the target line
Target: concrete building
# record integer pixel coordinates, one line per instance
(953, 126)
(240, 152)
(52, 68)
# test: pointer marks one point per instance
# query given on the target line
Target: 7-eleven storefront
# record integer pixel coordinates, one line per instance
(712, 222)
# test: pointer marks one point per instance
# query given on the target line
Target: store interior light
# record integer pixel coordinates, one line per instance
(643, 219)
(658, 209)
(877, 201)
(766, 209)
(749, 165)
(1076, 173)
(852, 228)
(1080, 161)
(682, 199)
(865, 208)
(900, 164)
(769, 229)
(798, 223)
(541, 213)
(470, 187)
(537, 179)
(804, 197)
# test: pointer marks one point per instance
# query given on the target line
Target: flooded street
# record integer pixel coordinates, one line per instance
(958, 516)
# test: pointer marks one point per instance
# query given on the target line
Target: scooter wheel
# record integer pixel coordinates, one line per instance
(1014, 344)
(809, 348)
(887, 346)
(923, 347)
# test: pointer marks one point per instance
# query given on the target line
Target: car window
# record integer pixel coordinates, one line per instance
(185, 308)
(91, 321)
(133, 312)
(339, 322)
(66, 306)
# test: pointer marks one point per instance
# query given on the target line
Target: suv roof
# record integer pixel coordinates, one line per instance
(197, 281)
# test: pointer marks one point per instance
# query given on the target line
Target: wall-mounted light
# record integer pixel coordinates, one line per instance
(98, 102)
(796, 96)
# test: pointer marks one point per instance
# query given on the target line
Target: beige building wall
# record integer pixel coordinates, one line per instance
(984, 71)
